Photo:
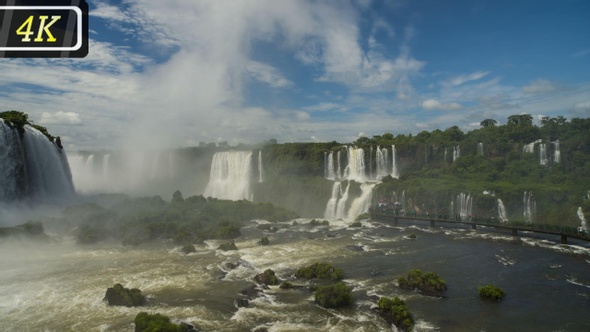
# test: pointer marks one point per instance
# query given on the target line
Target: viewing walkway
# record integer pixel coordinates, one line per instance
(563, 232)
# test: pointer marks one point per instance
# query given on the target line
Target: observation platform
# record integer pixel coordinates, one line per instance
(563, 232)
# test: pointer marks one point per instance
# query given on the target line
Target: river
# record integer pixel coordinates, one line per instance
(59, 286)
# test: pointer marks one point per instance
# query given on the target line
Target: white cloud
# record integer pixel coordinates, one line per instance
(109, 12)
(62, 118)
(467, 78)
(540, 86)
(582, 107)
(433, 104)
(268, 75)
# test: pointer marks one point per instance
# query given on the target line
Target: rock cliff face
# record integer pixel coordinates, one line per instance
(32, 166)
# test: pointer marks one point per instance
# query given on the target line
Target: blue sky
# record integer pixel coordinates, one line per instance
(178, 72)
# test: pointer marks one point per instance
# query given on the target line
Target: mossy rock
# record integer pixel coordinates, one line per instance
(286, 285)
(356, 224)
(320, 271)
(267, 277)
(491, 292)
(187, 249)
(314, 222)
(334, 296)
(121, 296)
(145, 322)
(228, 246)
(264, 241)
(395, 311)
(428, 283)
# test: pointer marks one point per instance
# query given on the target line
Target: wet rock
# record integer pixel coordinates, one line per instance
(267, 278)
(189, 248)
(228, 246)
(120, 296)
(241, 303)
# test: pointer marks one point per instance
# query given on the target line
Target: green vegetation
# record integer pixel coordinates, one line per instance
(120, 296)
(320, 271)
(334, 296)
(395, 311)
(264, 241)
(428, 283)
(145, 322)
(356, 224)
(286, 285)
(135, 221)
(20, 119)
(491, 292)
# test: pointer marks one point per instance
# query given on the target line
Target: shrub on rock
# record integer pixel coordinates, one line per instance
(121, 296)
(264, 241)
(491, 292)
(145, 322)
(267, 277)
(189, 248)
(320, 271)
(428, 283)
(228, 246)
(395, 311)
(334, 296)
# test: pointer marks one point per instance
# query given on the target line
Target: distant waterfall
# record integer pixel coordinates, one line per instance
(456, 152)
(105, 165)
(556, 153)
(382, 162)
(335, 209)
(341, 205)
(530, 148)
(480, 148)
(445, 155)
(338, 165)
(260, 169)
(394, 169)
(582, 219)
(543, 160)
(31, 166)
(529, 207)
(502, 212)
(464, 206)
(362, 203)
(230, 175)
(355, 170)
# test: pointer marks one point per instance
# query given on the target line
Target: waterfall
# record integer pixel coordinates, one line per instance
(543, 160)
(362, 203)
(330, 212)
(529, 207)
(502, 212)
(31, 166)
(260, 170)
(404, 201)
(330, 170)
(382, 162)
(230, 175)
(582, 219)
(355, 170)
(557, 153)
(456, 152)
(371, 173)
(464, 206)
(445, 155)
(339, 165)
(394, 169)
(530, 148)
(105, 165)
(480, 148)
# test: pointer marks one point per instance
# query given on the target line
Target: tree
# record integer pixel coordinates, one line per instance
(488, 123)
(524, 120)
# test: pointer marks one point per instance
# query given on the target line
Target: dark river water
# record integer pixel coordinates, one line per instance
(59, 286)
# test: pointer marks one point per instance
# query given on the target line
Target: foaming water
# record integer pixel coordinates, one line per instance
(59, 286)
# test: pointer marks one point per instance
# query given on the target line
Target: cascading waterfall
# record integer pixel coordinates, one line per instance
(530, 148)
(330, 212)
(445, 155)
(330, 171)
(480, 148)
(106, 165)
(556, 153)
(456, 152)
(543, 160)
(464, 206)
(394, 169)
(260, 170)
(502, 212)
(341, 204)
(382, 162)
(582, 219)
(355, 170)
(362, 203)
(529, 207)
(230, 175)
(338, 165)
(31, 166)
(404, 201)
(371, 170)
